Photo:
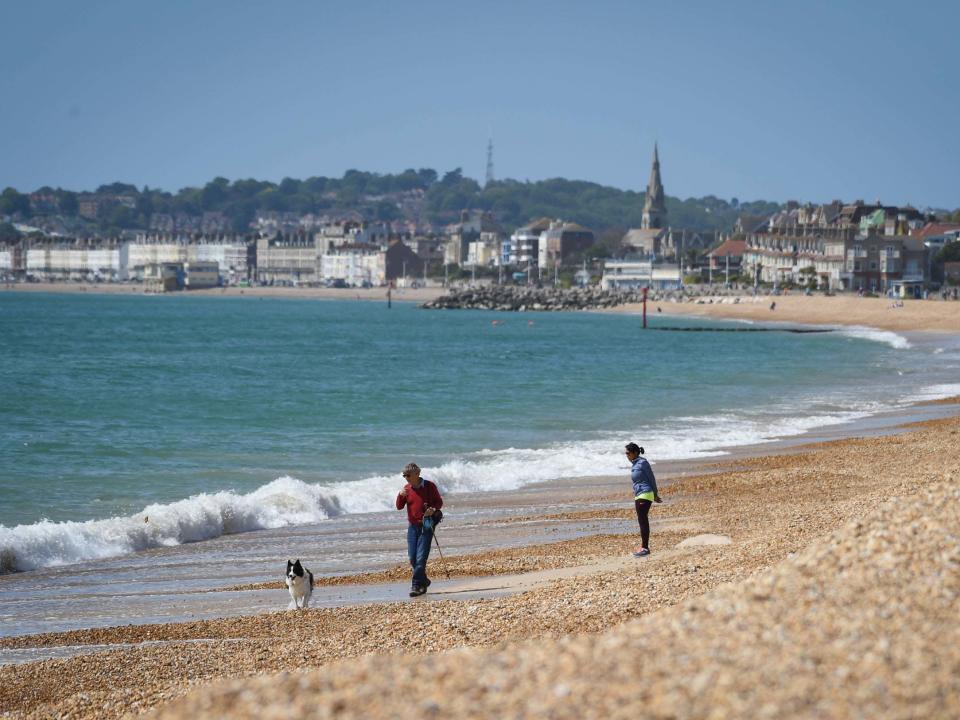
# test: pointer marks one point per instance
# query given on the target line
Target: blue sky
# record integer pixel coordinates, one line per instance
(773, 100)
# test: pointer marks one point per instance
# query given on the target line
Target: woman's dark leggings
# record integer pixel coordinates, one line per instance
(643, 509)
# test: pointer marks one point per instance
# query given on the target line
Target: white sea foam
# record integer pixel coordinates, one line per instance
(288, 501)
(868, 333)
(285, 501)
(934, 392)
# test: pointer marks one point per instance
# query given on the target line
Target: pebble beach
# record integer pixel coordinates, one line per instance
(834, 594)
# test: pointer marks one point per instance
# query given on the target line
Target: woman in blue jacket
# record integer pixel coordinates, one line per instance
(644, 494)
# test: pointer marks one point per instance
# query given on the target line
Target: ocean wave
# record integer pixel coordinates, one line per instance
(934, 392)
(861, 332)
(284, 501)
(288, 501)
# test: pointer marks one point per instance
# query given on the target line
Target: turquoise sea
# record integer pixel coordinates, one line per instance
(133, 422)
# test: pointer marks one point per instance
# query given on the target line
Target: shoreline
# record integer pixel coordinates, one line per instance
(378, 294)
(601, 488)
(930, 316)
(753, 501)
(933, 316)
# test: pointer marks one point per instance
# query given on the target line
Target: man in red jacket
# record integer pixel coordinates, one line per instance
(421, 499)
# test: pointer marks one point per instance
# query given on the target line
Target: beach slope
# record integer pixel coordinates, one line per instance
(860, 624)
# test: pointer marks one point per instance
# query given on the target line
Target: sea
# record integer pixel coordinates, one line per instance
(132, 424)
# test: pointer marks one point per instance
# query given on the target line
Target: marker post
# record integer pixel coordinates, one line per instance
(645, 308)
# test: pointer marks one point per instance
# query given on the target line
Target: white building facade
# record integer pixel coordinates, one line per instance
(355, 266)
(54, 261)
(634, 275)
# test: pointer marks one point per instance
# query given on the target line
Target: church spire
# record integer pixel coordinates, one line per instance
(654, 205)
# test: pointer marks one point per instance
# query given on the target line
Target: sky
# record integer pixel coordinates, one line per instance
(770, 100)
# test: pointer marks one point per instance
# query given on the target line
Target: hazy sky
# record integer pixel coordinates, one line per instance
(774, 100)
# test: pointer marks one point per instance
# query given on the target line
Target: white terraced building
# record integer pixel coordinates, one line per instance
(6, 263)
(230, 257)
(229, 252)
(144, 254)
(60, 259)
(72, 261)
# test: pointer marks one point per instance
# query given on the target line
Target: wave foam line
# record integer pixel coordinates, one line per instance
(288, 501)
(861, 332)
(285, 501)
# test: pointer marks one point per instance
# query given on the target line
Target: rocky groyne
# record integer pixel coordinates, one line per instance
(523, 299)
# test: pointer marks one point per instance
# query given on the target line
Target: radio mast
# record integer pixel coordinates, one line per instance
(489, 178)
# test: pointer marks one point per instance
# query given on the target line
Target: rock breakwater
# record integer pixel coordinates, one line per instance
(524, 299)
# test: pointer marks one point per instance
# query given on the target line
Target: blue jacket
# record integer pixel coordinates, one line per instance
(642, 476)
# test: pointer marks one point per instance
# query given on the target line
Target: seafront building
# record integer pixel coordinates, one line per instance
(561, 240)
(355, 264)
(840, 247)
(726, 259)
(637, 274)
(52, 259)
(77, 260)
(287, 259)
(476, 240)
(522, 248)
(232, 253)
(835, 246)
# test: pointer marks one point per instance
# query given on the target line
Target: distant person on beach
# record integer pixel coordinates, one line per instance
(421, 499)
(645, 493)
(773, 305)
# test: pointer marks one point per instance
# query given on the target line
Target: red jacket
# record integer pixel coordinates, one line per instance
(418, 499)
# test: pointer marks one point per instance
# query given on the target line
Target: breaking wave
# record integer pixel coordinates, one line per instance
(285, 501)
(288, 501)
(861, 332)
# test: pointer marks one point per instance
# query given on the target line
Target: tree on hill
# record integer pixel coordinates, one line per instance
(13, 202)
(376, 196)
(8, 232)
(214, 193)
(117, 188)
(68, 203)
(949, 252)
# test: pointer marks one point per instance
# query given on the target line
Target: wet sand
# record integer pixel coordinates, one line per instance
(808, 611)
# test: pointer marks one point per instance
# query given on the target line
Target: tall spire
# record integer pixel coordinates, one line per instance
(654, 205)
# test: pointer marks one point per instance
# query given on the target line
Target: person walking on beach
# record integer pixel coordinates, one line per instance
(645, 493)
(421, 499)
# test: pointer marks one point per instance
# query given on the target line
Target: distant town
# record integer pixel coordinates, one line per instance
(833, 247)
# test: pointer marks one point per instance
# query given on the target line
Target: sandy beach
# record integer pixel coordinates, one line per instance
(378, 294)
(927, 315)
(832, 598)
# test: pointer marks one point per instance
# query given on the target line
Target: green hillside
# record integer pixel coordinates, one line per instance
(413, 194)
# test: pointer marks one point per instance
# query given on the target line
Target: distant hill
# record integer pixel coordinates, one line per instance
(420, 196)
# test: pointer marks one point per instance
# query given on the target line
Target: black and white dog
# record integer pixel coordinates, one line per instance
(300, 584)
